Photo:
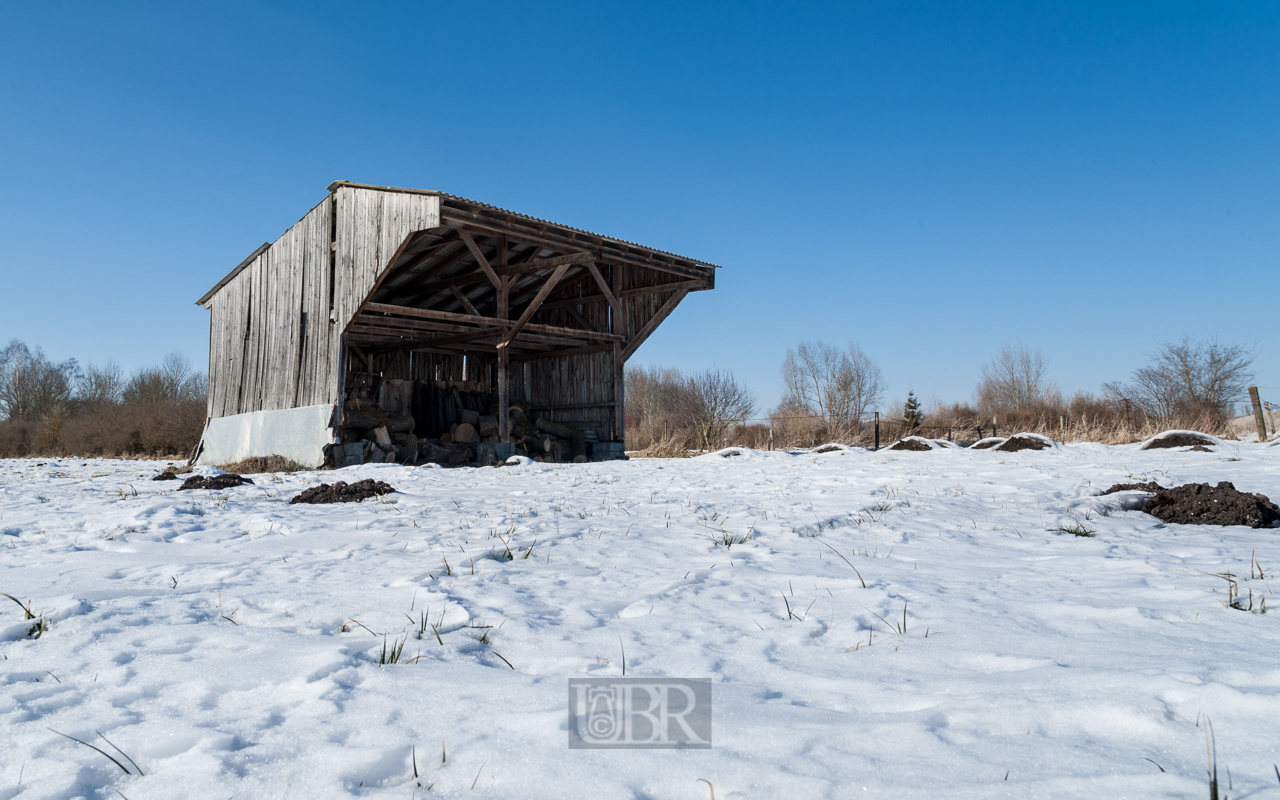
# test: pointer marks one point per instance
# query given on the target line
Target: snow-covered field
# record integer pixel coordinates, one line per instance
(229, 642)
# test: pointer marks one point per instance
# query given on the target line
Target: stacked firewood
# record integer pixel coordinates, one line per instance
(371, 435)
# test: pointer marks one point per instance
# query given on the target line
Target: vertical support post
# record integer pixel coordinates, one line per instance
(993, 427)
(770, 437)
(1257, 413)
(504, 395)
(504, 355)
(877, 444)
(619, 389)
(948, 433)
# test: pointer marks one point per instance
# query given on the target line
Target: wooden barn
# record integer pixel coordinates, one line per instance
(428, 305)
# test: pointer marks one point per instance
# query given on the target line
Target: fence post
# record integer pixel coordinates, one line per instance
(877, 445)
(1257, 413)
(948, 433)
(771, 436)
(993, 427)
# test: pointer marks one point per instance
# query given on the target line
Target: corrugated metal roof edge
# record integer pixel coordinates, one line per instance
(453, 197)
(527, 217)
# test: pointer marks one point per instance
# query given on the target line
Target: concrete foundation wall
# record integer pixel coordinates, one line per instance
(296, 433)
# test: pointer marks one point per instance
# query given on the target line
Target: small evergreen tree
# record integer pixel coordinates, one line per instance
(911, 414)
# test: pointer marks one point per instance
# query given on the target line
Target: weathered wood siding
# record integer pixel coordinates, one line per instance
(271, 345)
(372, 227)
(275, 338)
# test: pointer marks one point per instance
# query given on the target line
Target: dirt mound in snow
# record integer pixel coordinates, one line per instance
(1180, 439)
(912, 443)
(342, 492)
(990, 441)
(1202, 504)
(165, 476)
(224, 481)
(1024, 441)
(831, 447)
(1149, 486)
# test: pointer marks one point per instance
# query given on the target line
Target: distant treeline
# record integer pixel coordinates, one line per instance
(53, 408)
(831, 394)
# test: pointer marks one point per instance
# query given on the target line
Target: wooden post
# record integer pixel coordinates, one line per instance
(771, 436)
(504, 352)
(619, 409)
(504, 394)
(877, 444)
(993, 427)
(1257, 413)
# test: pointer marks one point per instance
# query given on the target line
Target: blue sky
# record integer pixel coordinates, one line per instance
(929, 180)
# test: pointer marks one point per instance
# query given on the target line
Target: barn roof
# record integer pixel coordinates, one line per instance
(487, 210)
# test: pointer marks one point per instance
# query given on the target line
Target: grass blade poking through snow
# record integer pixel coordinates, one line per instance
(25, 609)
(847, 561)
(121, 752)
(108, 756)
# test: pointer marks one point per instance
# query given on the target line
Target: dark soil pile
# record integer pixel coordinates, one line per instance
(1015, 443)
(165, 476)
(216, 482)
(1149, 486)
(342, 492)
(1200, 449)
(1180, 440)
(1202, 504)
(914, 445)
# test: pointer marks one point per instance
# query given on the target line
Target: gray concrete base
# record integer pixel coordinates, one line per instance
(299, 434)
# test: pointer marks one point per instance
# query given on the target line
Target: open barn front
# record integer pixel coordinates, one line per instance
(458, 331)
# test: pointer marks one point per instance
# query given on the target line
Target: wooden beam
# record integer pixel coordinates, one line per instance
(504, 352)
(449, 316)
(427, 313)
(381, 330)
(605, 290)
(573, 312)
(576, 351)
(652, 325)
(609, 253)
(481, 260)
(535, 304)
(539, 264)
(411, 288)
(619, 402)
(462, 298)
(472, 278)
(595, 299)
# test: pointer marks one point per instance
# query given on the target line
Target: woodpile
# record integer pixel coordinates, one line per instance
(471, 438)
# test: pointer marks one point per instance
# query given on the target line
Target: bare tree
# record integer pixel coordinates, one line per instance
(834, 385)
(654, 407)
(715, 404)
(172, 382)
(1016, 380)
(31, 386)
(100, 386)
(1190, 378)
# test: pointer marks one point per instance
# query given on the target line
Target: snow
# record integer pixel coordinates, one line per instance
(225, 640)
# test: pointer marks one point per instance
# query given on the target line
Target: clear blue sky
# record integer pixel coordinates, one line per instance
(930, 180)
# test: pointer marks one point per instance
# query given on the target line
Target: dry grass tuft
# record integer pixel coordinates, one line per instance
(259, 464)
